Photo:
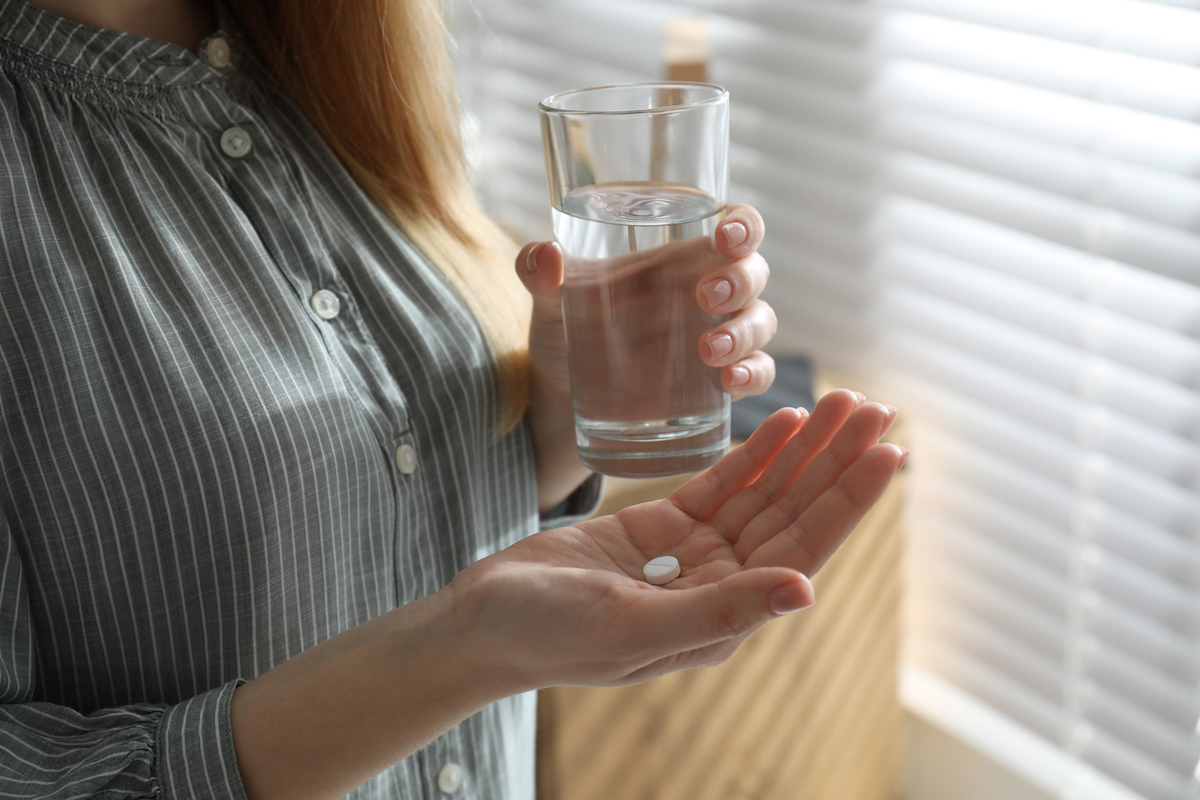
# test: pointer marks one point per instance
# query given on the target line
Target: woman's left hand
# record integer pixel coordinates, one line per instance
(736, 345)
(734, 277)
(732, 286)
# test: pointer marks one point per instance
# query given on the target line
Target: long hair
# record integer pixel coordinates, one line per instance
(374, 78)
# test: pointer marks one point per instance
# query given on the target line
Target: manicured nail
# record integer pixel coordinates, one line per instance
(735, 234)
(720, 345)
(903, 456)
(531, 261)
(739, 376)
(789, 598)
(889, 419)
(717, 292)
(862, 398)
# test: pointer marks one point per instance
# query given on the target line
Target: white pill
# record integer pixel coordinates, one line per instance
(663, 569)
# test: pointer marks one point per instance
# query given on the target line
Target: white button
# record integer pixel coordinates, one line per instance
(450, 779)
(235, 142)
(406, 462)
(217, 51)
(325, 303)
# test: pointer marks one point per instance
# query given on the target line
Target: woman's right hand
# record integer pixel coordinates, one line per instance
(570, 605)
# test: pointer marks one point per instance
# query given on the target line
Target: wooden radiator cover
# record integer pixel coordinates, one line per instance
(805, 710)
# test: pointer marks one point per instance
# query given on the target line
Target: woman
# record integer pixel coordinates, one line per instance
(277, 432)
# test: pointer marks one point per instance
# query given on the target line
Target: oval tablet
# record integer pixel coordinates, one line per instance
(663, 569)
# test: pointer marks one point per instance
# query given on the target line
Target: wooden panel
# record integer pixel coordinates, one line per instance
(686, 49)
(806, 709)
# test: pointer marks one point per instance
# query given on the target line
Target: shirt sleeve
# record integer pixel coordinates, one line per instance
(136, 751)
(579, 505)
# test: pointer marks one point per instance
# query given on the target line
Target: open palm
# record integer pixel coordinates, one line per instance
(570, 605)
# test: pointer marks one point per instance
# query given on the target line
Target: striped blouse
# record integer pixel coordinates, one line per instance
(239, 413)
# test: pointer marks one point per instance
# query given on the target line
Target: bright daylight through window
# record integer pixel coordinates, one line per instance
(989, 211)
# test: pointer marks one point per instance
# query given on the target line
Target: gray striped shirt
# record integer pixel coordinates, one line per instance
(239, 413)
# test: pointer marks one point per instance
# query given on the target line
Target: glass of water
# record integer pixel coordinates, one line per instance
(638, 178)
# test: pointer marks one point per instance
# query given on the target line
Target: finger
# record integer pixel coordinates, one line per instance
(829, 415)
(751, 376)
(808, 542)
(746, 331)
(682, 620)
(700, 497)
(861, 430)
(734, 286)
(740, 233)
(539, 265)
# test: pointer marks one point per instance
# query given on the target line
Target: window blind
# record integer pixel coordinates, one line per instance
(988, 210)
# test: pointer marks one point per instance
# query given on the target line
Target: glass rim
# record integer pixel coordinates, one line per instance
(721, 94)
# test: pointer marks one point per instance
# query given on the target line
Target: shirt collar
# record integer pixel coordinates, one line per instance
(113, 55)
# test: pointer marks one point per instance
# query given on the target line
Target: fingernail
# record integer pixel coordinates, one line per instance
(862, 398)
(903, 456)
(790, 597)
(738, 376)
(735, 234)
(717, 292)
(720, 345)
(531, 261)
(889, 419)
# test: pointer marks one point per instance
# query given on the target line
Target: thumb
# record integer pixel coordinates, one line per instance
(539, 265)
(688, 619)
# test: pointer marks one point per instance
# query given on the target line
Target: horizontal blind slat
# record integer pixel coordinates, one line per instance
(1152, 195)
(1117, 79)
(1170, 558)
(1139, 346)
(1040, 759)
(1163, 404)
(1157, 248)
(1127, 26)
(1066, 480)
(1159, 648)
(1175, 703)
(970, 401)
(1101, 750)
(1123, 134)
(1101, 282)
(1169, 748)
(842, 100)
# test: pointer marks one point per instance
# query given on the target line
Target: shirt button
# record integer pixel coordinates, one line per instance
(325, 303)
(406, 462)
(235, 142)
(450, 779)
(217, 52)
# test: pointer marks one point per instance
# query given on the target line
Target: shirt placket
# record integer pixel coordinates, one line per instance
(292, 235)
(444, 770)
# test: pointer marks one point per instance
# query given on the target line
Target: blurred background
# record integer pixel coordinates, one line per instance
(986, 212)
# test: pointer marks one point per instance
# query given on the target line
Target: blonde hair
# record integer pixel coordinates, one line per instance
(375, 80)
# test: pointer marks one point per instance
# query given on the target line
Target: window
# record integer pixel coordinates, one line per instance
(988, 211)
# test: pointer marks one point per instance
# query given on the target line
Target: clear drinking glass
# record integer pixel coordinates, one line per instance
(638, 178)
